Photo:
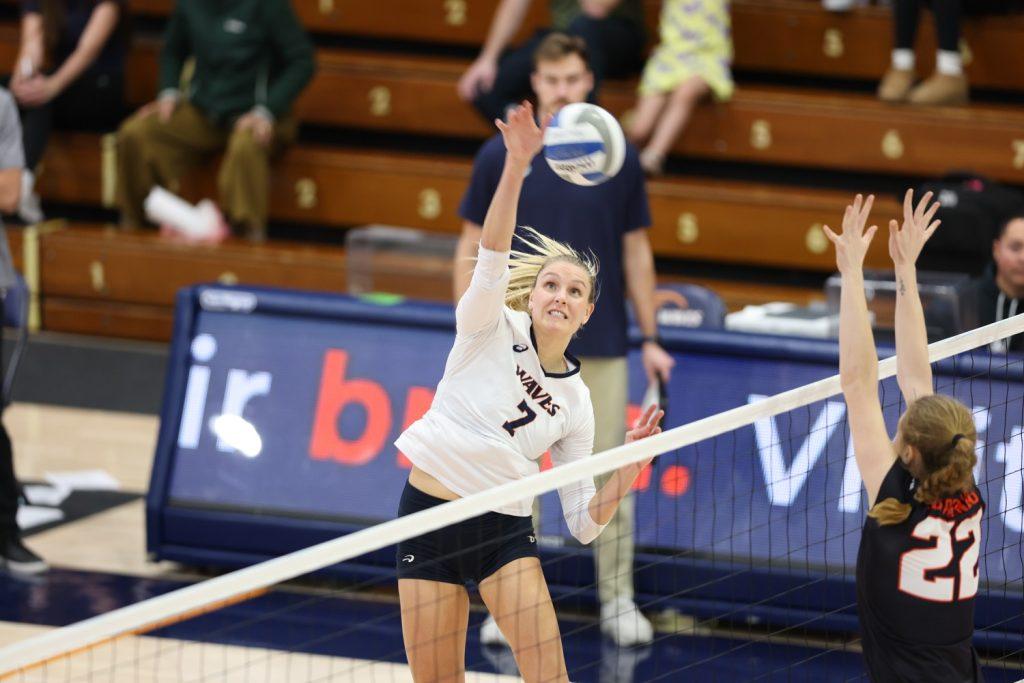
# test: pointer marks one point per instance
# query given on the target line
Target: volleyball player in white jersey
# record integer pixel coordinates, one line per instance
(509, 393)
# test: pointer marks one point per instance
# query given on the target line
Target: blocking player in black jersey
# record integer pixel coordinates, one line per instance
(917, 567)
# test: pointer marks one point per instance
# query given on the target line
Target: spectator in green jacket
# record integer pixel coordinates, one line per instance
(251, 60)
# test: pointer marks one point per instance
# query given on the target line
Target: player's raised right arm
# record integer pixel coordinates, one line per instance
(858, 359)
(523, 139)
(480, 306)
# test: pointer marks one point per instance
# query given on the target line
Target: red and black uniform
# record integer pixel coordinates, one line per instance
(916, 585)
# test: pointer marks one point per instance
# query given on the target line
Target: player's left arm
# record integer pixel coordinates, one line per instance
(606, 501)
(913, 371)
(586, 509)
(638, 267)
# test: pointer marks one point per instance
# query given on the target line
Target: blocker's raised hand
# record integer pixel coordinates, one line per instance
(852, 245)
(906, 242)
(523, 137)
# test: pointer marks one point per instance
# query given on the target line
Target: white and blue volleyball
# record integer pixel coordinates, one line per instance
(584, 144)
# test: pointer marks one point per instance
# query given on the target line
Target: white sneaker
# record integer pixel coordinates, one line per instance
(623, 622)
(29, 209)
(842, 5)
(490, 634)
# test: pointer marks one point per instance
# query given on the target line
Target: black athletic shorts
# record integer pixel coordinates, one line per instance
(468, 551)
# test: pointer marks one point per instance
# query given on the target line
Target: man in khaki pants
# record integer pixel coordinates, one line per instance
(252, 59)
(609, 220)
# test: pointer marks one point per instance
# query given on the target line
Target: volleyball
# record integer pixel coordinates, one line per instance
(584, 144)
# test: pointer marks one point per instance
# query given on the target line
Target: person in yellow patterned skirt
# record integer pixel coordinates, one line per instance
(693, 59)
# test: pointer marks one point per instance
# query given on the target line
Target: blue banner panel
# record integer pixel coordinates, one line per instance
(287, 404)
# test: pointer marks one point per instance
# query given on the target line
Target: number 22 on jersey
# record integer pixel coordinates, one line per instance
(915, 564)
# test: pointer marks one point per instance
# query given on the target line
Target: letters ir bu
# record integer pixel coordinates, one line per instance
(335, 393)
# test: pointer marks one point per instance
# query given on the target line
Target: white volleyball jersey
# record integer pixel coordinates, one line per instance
(496, 411)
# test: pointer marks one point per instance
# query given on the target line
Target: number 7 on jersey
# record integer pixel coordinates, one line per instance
(511, 426)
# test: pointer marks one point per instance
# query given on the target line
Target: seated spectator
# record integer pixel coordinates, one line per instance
(252, 59)
(1000, 290)
(14, 556)
(947, 85)
(613, 31)
(69, 73)
(692, 60)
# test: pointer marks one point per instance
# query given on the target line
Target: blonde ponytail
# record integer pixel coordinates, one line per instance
(890, 511)
(526, 266)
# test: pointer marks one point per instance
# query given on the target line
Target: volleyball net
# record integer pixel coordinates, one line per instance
(744, 564)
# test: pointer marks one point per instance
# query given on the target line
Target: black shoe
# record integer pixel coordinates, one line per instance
(18, 559)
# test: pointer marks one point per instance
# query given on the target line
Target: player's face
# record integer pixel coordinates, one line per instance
(561, 82)
(1008, 253)
(560, 301)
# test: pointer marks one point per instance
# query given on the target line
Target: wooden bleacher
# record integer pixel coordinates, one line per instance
(763, 125)
(703, 221)
(721, 221)
(770, 36)
(89, 277)
(90, 283)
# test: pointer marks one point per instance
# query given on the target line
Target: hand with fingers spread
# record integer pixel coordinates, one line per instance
(646, 425)
(906, 242)
(523, 137)
(852, 245)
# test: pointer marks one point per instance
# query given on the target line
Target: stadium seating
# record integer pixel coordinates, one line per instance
(764, 125)
(720, 221)
(771, 36)
(96, 280)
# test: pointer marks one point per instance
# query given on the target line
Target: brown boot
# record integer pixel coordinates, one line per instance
(940, 89)
(896, 85)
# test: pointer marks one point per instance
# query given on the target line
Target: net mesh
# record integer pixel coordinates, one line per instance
(744, 551)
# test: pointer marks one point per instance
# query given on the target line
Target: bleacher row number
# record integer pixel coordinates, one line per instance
(97, 276)
(892, 144)
(305, 193)
(380, 100)
(429, 206)
(1018, 154)
(687, 230)
(815, 240)
(832, 44)
(455, 12)
(760, 134)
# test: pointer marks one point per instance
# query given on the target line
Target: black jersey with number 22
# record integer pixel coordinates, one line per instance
(916, 583)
